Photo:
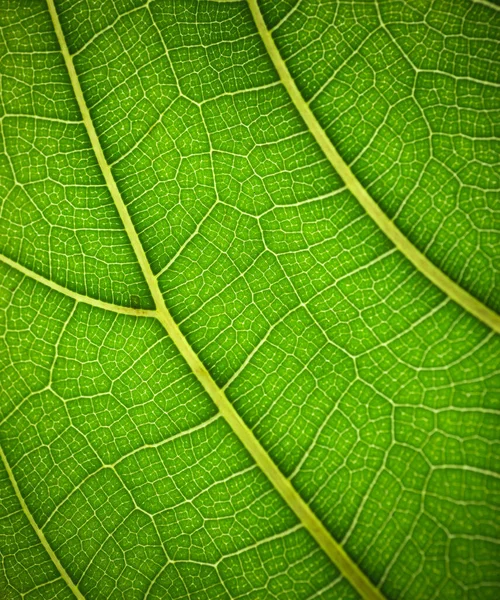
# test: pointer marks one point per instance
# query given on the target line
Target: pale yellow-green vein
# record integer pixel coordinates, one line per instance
(38, 531)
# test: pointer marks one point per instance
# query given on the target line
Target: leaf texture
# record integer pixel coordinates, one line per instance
(224, 375)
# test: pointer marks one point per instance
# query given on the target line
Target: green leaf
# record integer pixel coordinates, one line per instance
(249, 277)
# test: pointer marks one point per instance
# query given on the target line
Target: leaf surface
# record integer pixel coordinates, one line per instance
(248, 300)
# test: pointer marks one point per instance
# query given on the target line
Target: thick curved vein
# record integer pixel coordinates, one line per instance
(302, 510)
(488, 4)
(402, 243)
(38, 531)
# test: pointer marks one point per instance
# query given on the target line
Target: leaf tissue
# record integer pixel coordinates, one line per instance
(249, 297)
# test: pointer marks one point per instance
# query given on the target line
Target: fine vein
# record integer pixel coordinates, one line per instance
(402, 243)
(302, 510)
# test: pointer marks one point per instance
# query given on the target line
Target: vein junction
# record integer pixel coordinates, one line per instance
(318, 531)
(343, 385)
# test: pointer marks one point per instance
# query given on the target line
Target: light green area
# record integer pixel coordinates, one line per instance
(371, 390)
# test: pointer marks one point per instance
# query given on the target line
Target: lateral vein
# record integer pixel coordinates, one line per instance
(137, 312)
(38, 531)
(284, 487)
(402, 243)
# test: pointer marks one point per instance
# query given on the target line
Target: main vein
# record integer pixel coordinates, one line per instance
(302, 510)
(402, 243)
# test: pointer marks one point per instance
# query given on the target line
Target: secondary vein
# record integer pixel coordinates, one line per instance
(125, 310)
(402, 243)
(38, 531)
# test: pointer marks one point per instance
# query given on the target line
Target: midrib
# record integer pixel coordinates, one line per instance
(301, 509)
(402, 243)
